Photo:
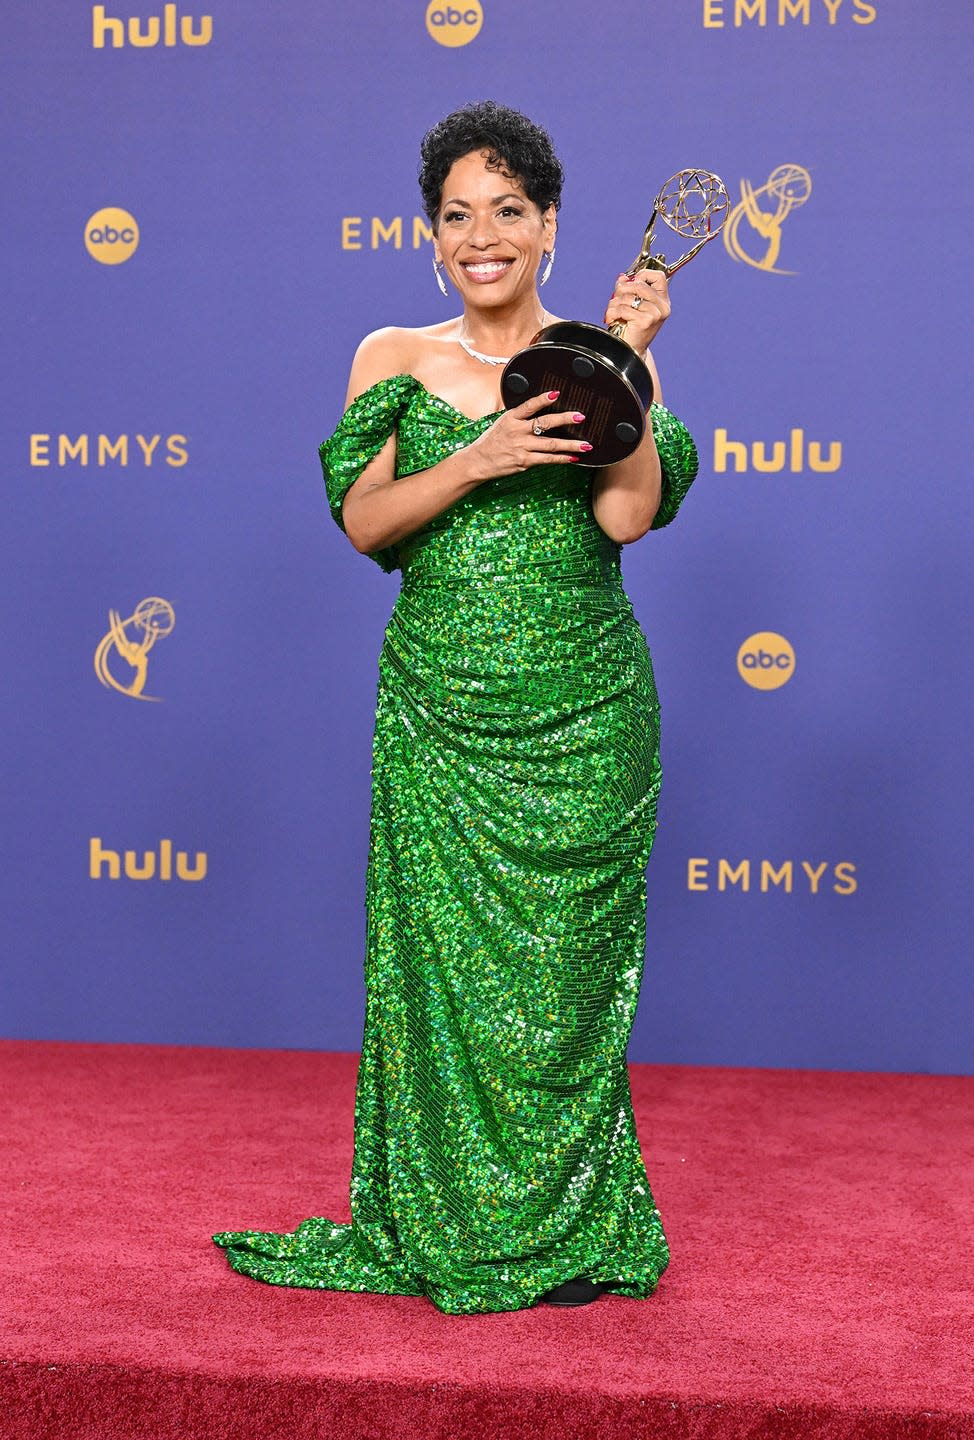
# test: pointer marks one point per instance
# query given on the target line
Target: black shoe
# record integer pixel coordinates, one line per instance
(579, 1291)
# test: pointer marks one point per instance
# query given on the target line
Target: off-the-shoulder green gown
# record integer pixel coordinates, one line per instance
(514, 785)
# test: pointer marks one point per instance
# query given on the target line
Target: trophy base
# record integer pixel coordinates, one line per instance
(597, 374)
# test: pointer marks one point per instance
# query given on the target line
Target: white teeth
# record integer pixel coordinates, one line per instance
(488, 267)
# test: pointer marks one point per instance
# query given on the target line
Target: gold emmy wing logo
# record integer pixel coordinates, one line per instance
(766, 660)
(454, 25)
(131, 640)
(111, 236)
(765, 210)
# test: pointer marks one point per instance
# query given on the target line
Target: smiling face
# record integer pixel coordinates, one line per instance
(488, 234)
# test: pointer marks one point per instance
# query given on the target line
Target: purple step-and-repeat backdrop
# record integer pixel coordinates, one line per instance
(207, 211)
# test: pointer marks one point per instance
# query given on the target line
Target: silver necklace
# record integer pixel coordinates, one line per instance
(493, 359)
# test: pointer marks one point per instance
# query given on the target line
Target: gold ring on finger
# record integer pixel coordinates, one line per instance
(637, 300)
(538, 428)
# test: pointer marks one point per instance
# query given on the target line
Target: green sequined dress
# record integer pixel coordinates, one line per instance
(514, 785)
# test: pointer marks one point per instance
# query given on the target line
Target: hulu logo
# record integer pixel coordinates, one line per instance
(794, 453)
(169, 29)
(151, 866)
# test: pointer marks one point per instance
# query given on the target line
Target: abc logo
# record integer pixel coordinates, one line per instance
(766, 660)
(111, 236)
(454, 24)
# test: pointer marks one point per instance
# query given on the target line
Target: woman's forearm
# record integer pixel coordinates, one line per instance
(379, 510)
(626, 496)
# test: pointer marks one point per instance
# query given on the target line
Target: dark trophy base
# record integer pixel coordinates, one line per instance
(597, 374)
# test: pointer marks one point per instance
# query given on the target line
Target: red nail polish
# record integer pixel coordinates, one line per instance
(585, 445)
(577, 417)
(553, 394)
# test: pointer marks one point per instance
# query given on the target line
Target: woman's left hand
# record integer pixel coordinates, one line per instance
(644, 320)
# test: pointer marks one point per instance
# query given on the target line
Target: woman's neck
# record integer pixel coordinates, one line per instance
(503, 331)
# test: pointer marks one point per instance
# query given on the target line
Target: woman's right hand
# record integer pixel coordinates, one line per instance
(510, 444)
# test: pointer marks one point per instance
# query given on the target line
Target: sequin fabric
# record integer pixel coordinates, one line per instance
(515, 778)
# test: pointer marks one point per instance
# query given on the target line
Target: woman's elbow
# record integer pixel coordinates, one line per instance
(634, 535)
(624, 537)
(350, 524)
(629, 534)
(367, 544)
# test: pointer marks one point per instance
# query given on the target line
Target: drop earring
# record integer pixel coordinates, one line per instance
(547, 269)
(438, 272)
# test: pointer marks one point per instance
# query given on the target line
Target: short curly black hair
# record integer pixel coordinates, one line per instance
(518, 149)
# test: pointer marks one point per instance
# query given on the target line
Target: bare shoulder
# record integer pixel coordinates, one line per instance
(393, 350)
(382, 354)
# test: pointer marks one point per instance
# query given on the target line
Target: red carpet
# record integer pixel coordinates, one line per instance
(822, 1283)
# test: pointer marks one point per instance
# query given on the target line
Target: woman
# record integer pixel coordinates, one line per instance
(514, 785)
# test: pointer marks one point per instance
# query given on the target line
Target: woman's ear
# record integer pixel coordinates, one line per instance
(550, 220)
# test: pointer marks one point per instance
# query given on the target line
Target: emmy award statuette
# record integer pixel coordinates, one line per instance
(595, 370)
